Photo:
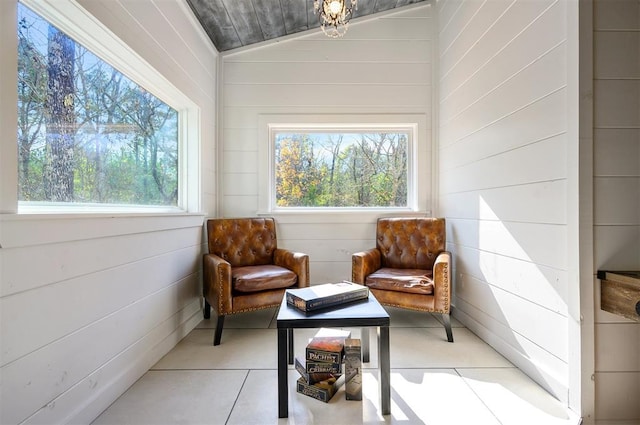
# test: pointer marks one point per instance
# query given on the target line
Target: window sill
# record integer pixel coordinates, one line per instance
(49, 208)
(339, 215)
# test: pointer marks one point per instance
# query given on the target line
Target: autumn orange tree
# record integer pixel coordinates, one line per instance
(299, 175)
(341, 170)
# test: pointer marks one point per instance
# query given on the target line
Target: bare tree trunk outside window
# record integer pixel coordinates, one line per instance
(60, 118)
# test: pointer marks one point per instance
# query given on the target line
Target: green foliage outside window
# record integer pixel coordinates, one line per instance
(87, 133)
(341, 170)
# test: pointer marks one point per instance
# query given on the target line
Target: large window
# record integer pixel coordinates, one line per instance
(87, 134)
(340, 168)
(346, 163)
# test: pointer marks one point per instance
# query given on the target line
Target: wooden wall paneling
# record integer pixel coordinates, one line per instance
(616, 396)
(535, 42)
(626, 339)
(516, 313)
(503, 78)
(539, 284)
(508, 132)
(71, 358)
(240, 162)
(309, 50)
(531, 84)
(472, 51)
(459, 35)
(241, 184)
(101, 273)
(515, 167)
(616, 246)
(318, 94)
(29, 230)
(617, 201)
(616, 152)
(92, 296)
(240, 140)
(388, 28)
(527, 202)
(31, 268)
(547, 370)
(617, 54)
(326, 73)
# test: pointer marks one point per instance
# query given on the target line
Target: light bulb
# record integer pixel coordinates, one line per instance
(335, 7)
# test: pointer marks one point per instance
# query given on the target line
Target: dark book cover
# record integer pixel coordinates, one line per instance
(323, 368)
(327, 346)
(318, 297)
(322, 391)
(313, 377)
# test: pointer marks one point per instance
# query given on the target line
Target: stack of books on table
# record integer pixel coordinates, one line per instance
(321, 369)
(324, 296)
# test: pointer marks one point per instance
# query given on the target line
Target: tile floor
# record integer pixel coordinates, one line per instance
(433, 382)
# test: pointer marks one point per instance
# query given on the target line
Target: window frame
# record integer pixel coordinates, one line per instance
(69, 17)
(419, 167)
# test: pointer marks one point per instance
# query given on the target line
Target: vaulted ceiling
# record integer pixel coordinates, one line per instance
(236, 23)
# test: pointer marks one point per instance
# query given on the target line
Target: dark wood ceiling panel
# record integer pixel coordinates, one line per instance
(235, 23)
(269, 13)
(382, 5)
(312, 18)
(295, 15)
(216, 22)
(245, 21)
(364, 8)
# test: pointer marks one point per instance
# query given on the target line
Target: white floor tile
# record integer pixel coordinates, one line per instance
(433, 382)
(514, 398)
(239, 349)
(429, 348)
(177, 397)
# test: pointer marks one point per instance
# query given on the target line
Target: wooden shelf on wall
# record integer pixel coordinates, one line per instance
(620, 293)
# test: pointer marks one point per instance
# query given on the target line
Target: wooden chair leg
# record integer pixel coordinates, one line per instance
(447, 326)
(218, 333)
(206, 312)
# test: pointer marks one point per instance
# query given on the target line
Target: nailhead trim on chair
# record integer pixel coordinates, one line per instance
(220, 291)
(446, 287)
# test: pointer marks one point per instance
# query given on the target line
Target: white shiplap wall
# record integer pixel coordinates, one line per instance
(503, 143)
(617, 199)
(381, 67)
(89, 302)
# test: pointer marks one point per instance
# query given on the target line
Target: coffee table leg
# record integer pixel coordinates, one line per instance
(385, 372)
(364, 336)
(290, 344)
(283, 391)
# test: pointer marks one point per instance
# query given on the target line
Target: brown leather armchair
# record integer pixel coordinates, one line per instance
(409, 267)
(245, 270)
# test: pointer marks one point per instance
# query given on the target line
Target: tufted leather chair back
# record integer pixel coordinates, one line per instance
(410, 243)
(243, 241)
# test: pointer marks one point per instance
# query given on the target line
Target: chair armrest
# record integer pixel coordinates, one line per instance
(297, 262)
(442, 282)
(216, 283)
(364, 263)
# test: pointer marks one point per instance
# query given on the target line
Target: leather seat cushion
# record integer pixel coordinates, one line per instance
(414, 281)
(260, 278)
